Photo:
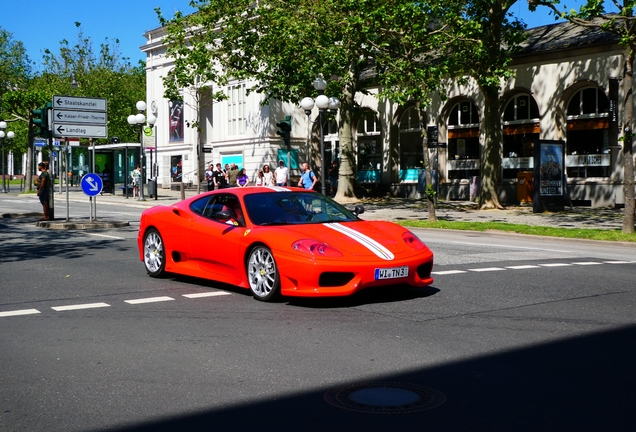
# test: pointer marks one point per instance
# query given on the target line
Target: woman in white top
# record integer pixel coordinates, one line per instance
(268, 176)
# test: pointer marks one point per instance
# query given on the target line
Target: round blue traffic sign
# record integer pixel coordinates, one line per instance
(92, 184)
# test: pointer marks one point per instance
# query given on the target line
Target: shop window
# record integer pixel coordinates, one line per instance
(521, 129)
(411, 151)
(369, 148)
(587, 150)
(464, 114)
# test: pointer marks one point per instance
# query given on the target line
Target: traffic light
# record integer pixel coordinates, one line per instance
(284, 129)
(41, 120)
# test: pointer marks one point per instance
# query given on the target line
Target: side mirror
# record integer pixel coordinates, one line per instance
(223, 215)
(358, 210)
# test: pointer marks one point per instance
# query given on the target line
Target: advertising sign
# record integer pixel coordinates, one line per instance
(549, 174)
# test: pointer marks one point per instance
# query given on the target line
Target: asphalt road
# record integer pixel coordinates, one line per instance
(518, 333)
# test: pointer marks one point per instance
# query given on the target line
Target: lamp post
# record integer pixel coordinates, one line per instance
(324, 104)
(140, 119)
(10, 135)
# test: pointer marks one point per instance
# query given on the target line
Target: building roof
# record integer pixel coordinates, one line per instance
(565, 36)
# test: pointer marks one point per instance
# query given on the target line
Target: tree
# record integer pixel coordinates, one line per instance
(623, 25)
(196, 70)
(414, 47)
(489, 38)
(281, 46)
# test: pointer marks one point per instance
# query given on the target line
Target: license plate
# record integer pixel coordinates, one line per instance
(391, 273)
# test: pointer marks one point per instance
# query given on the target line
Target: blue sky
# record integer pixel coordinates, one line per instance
(41, 24)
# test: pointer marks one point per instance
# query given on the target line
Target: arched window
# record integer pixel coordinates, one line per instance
(463, 141)
(369, 148)
(411, 151)
(587, 146)
(520, 130)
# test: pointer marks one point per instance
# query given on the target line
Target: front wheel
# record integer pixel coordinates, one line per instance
(263, 274)
(154, 253)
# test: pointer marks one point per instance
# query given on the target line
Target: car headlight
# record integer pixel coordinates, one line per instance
(315, 248)
(412, 240)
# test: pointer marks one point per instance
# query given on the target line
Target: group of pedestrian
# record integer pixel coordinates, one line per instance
(219, 177)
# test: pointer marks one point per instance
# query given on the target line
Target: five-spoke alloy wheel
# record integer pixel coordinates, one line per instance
(154, 253)
(263, 274)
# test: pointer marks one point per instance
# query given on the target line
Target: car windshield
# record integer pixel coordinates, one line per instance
(290, 208)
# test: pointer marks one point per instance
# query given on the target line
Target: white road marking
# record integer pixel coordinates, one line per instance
(448, 272)
(80, 306)
(587, 263)
(487, 269)
(20, 312)
(508, 247)
(105, 236)
(206, 294)
(618, 262)
(149, 300)
(555, 265)
(522, 267)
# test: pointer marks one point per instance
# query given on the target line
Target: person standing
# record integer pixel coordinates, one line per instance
(242, 179)
(333, 178)
(281, 175)
(308, 179)
(44, 189)
(260, 180)
(136, 177)
(218, 177)
(268, 176)
(232, 175)
(209, 176)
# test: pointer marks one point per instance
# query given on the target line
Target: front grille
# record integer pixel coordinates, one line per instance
(424, 271)
(334, 279)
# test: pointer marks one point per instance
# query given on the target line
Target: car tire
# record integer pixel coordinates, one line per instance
(262, 274)
(154, 253)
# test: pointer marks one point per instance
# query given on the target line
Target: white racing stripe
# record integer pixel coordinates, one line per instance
(364, 240)
(277, 188)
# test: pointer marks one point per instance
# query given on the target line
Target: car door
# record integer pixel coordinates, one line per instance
(217, 243)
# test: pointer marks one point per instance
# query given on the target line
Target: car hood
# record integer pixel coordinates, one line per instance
(373, 239)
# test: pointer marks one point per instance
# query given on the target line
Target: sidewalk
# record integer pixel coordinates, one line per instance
(394, 209)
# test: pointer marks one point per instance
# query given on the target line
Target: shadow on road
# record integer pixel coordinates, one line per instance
(584, 384)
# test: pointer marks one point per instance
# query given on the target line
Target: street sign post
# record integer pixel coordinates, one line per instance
(61, 130)
(79, 103)
(78, 117)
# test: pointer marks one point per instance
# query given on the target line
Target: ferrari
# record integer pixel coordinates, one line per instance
(280, 241)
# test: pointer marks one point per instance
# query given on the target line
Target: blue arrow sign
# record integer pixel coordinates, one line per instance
(92, 184)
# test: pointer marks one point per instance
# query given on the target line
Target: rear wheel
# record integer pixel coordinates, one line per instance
(154, 253)
(263, 274)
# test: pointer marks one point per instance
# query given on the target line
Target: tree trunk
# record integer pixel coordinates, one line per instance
(628, 143)
(346, 173)
(491, 151)
(430, 198)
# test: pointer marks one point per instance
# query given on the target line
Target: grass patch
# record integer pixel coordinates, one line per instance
(578, 233)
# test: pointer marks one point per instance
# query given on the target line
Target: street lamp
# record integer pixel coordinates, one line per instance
(10, 135)
(324, 104)
(140, 119)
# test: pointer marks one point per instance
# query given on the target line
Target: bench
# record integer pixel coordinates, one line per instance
(123, 190)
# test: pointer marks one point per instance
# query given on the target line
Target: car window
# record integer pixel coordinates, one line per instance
(281, 208)
(199, 206)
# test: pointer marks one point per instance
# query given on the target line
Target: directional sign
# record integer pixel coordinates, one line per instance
(81, 117)
(40, 142)
(79, 131)
(92, 184)
(79, 103)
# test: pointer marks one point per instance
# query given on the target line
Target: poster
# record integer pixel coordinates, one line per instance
(176, 121)
(551, 169)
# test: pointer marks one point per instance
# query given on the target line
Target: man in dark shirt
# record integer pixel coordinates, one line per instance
(219, 177)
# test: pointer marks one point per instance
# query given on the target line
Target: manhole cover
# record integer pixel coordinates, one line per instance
(385, 398)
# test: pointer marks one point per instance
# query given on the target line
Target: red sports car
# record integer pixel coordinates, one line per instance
(275, 240)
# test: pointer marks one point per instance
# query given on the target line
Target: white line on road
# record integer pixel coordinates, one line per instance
(449, 272)
(80, 306)
(487, 269)
(555, 265)
(106, 236)
(206, 294)
(522, 267)
(619, 262)
(508, 247)
(149, 300)
(20, 312)
(587, 263)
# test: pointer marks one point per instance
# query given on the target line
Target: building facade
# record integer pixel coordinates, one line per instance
(565, 87)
